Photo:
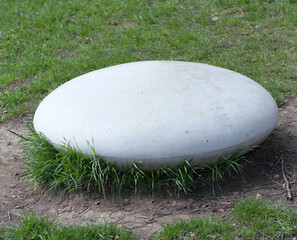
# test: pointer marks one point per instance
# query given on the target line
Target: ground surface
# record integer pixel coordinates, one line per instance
(144, 214)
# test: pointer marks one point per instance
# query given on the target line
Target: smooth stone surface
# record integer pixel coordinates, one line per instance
(158, 112)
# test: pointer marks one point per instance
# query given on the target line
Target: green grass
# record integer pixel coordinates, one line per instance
(202, 228)
(67, 169)
(272, 220)
(250, 219)
(46, 43)
(31, 227)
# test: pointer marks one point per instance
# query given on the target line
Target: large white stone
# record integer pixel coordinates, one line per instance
(158, 112)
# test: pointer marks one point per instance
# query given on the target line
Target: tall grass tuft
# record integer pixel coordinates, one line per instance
(226, 167)
(68, 169)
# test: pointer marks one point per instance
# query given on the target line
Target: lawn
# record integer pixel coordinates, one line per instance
(46, 43)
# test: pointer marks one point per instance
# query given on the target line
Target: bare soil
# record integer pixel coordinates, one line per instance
(145, 214)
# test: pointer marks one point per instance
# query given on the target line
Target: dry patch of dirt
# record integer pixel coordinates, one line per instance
(142, 214)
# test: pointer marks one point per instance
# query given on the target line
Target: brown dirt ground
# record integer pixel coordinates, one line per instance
(143, 214)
